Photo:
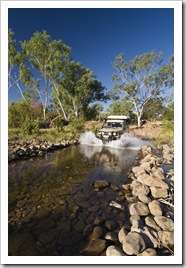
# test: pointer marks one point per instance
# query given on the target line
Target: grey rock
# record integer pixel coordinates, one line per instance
(139, 208)
(122, 234)
(114, 251)
(167, 238)
(133, 244)
(140, 189)
(151, 223)
(158, 192)
(117, 205)
(155, 208)
(136, 222)
(143, 198)
(166, 224)
(152, 181)
(146, 166)
(158, 173)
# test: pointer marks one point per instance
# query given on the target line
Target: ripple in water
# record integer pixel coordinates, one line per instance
(126, 141)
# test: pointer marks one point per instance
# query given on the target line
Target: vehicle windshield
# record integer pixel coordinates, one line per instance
(112, 125)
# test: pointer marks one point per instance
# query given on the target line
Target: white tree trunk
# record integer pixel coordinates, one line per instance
(139, 120)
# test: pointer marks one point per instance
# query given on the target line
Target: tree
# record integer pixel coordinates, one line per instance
(154, 109)
(48, 57)
(142, 79)
(77, 90)
(123, 107)
(18, 73)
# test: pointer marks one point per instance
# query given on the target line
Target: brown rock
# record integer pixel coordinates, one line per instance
(158, 192)
(133, 244)
(155, 208)
(139, 208)
(152, 181)
(165, 223)
(114, 251)
(167, 238)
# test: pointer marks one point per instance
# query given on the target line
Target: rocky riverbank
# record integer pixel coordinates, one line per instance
(102, 218)
(150, 198)
(33, 148)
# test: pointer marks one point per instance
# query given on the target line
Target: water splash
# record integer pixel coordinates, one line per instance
(127, 140)
(89, 138)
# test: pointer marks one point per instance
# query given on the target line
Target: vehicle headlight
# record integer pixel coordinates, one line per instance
(114, 133)
(110, 133)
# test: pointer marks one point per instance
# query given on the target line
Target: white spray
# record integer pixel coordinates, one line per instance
(126, 141)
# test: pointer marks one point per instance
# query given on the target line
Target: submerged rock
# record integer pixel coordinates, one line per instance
(94, 247)
(101, 184)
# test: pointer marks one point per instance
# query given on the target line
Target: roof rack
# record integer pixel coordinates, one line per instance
(118, 117)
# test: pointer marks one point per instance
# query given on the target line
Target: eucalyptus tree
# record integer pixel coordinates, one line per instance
(19, 74)
(143, 79)
(78, 88)
(48, 59)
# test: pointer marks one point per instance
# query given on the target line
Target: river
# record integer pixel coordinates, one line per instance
(52, 202)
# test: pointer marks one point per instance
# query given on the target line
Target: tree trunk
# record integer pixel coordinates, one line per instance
(139, 120)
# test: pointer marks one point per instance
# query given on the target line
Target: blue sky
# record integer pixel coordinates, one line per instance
(97, 35)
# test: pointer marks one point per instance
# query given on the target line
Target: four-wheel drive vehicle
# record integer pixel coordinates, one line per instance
(113, 127)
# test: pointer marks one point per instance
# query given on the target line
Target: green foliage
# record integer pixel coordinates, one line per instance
(153, 109)
(77, 125)
(142, 79)
(29, 127)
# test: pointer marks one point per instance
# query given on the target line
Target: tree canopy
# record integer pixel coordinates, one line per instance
(43, 70)
(142, 79)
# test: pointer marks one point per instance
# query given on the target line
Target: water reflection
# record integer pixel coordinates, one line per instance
(51, 200)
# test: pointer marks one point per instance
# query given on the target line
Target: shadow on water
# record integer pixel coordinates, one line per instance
(52, 203)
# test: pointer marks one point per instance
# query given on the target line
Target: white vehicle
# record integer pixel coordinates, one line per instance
(113, 127)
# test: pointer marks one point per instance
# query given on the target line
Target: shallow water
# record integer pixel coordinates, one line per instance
(52, 201)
